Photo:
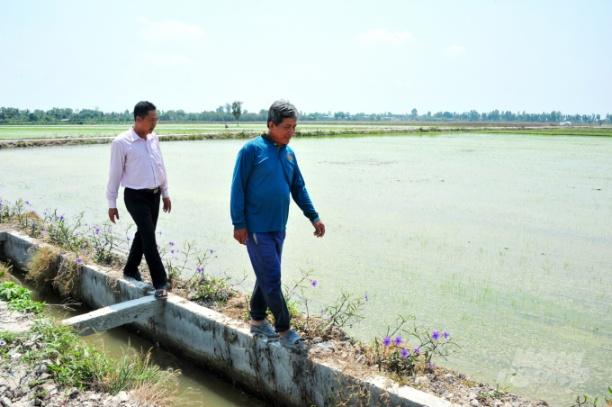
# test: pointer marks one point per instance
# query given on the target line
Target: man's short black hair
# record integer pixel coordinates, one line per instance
(281, 109)
(143, 108)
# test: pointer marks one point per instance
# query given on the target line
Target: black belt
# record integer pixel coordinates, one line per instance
(147, 190)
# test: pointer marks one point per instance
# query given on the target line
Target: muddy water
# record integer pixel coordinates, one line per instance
(196, 386)
(504, 240)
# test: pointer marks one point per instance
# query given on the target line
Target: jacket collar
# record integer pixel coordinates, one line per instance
(269, 141)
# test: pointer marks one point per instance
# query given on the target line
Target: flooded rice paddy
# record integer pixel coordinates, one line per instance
(503, 240)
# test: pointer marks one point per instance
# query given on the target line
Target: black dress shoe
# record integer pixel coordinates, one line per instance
(136, 276)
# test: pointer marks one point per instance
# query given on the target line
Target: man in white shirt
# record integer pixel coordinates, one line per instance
(137, 164)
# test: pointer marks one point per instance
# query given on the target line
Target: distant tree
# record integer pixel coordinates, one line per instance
(237, 111)
(414, 113)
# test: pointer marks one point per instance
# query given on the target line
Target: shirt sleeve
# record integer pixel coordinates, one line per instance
(300, 195)
(164, 185)
(117, 163)
(242, 170)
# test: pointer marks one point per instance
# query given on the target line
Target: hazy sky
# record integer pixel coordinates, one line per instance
(370, 56)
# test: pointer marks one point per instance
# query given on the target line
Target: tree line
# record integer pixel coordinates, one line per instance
(233, 112)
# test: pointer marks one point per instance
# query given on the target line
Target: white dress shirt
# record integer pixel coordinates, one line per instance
(135, 163)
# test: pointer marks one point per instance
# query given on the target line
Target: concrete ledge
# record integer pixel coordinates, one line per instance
(225, 345)
(115, 315)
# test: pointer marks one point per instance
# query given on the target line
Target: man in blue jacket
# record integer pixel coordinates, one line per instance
(266, 173)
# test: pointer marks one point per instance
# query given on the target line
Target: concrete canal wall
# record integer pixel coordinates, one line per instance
(225, 345)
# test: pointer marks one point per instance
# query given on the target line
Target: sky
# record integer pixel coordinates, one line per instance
(355, 56)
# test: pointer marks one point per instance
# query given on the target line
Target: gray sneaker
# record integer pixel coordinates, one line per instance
(265, 331)
(292, 341)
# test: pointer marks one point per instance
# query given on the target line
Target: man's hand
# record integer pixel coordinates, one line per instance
(319, 229)
(112, 214)
(241, 235)
(167, 204)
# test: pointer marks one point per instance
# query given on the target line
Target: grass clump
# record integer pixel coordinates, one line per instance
(67, 278)
(209, 289)
(135, 371)
(5, 269)
(19, 298)
(49, 268)
(43, 266)
(74, 363)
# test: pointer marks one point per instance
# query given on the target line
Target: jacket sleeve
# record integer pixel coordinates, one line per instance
(242, 170)
(300, 195)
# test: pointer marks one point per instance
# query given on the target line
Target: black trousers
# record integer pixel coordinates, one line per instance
(143, 206)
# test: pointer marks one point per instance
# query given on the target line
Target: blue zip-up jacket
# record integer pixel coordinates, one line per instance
(264, 176)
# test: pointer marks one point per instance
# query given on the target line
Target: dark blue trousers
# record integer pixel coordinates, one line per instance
(265, 250)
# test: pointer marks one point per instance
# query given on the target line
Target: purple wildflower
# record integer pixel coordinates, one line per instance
(28, 203)
(365, 297)
(61, 218)
(387, 341)
(398, 340)
(314, 283)
(446, 335)
(172, 252)
(97, 230)
(171, 243)
(199, 269)
(404, 353)
(417, 351)
(2, 343)
(435, 335)
(79, 261)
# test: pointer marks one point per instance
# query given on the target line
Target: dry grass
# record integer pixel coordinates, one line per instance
(154, 394)
(5, 269)
(43, 266)
(160, 393)
(67, 278)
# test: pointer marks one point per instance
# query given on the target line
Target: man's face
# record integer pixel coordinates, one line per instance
(281, 133)
(148, 122)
